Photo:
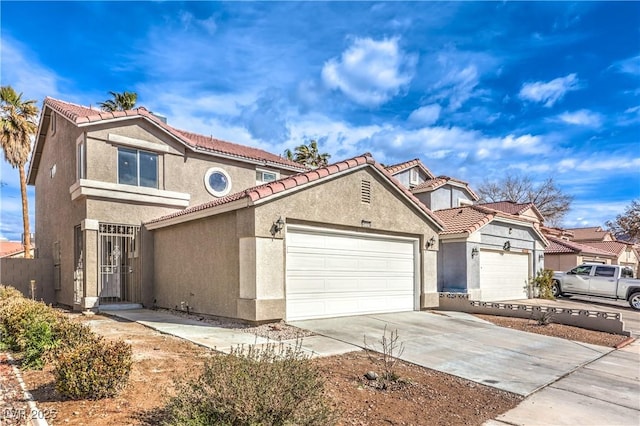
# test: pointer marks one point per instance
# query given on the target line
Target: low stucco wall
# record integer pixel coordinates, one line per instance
(609, 322)
(18, 273)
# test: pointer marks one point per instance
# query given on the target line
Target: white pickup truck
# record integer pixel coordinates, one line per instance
(612, 281)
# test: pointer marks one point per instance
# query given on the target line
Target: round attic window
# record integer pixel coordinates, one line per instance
(217, 182)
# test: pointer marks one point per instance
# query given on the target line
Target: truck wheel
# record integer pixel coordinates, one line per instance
(634, 301)
(555, 289)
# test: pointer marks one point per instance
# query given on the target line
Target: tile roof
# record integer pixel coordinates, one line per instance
(397, 168)
(82, 114)
(435, 183)
(9, 248)
(468, 219)
(559, 246)
(509, 206)
(556, 232)
(593, 233)
(279, 186)
(615, 247)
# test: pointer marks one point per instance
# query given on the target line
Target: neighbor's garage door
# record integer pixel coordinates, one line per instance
(503, 275)
(336, 274)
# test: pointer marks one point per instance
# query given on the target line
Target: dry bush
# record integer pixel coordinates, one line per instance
(272, 385)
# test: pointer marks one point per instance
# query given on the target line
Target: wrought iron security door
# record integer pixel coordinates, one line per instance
(119, 263)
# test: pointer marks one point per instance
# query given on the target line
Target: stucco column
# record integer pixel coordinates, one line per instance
(90, 298)
(429, 294)
(262, 279)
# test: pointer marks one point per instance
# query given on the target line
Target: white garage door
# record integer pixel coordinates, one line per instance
(336, 274)
(503, 275)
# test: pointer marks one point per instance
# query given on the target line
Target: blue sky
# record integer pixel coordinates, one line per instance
(474, 89)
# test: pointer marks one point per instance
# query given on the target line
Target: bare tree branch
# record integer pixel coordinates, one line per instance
(627, 225)
(550, 200)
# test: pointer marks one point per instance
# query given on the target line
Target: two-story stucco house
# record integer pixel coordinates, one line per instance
(131, 209)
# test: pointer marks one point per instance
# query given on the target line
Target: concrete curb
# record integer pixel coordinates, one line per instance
(35, 417)
(625, 342)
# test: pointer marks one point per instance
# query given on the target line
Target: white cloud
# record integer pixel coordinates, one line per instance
(425, 115)
(21, 69)
(189, 21)
(549, 92)
(370, 72)
(582, 117)
(628, 66)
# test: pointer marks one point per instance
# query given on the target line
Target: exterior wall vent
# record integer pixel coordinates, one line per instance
(365, 192)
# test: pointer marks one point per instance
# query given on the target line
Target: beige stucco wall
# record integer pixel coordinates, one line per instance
(56, 214)
(197, 263)
(564, 262)
(180, 169)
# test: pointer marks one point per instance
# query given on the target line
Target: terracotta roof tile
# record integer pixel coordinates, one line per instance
(268, 189)
(559, 246)
(81, 114)
(435, 183)
(9, 248)
(594, 233)
(397, 168)
(465, 219)
(615, 247)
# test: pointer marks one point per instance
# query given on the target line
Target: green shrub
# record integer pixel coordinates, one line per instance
(543, 281)
(272, 385)
(26, 326)
(93, 370)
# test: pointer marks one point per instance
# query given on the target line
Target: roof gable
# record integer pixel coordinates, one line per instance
(466, 220)
(435, 183)
(400, 167)
(593, 233)
(84, 116)
(518, 209)
(282, 187)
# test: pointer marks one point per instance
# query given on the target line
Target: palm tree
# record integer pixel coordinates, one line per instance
(308, 155)
(120, 102)
(18, 120)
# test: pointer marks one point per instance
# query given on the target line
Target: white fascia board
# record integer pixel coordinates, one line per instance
(461, 236)
(97, 189)
(200, 214)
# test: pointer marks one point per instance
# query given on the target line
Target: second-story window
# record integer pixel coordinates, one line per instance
(265, 176)
(139, 168)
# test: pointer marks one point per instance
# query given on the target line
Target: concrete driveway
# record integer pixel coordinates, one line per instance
(630, 317)
(465, 346)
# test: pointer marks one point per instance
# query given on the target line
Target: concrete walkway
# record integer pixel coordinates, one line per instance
(219, 338)
(467, 347)
(603, 392)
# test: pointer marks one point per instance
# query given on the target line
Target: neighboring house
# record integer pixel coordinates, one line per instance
(590, 234)
(444, 192)
(131, 209)
(489, 254)
(562, 254)
(12, 249)
(410, 173)
(624, 252)
(524, 210)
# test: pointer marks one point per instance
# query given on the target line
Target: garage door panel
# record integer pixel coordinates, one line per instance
(334, 275)
(503, 275)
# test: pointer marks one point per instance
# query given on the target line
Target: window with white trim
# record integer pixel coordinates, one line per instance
(217, 181)
(266, 176)
(138, 168)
